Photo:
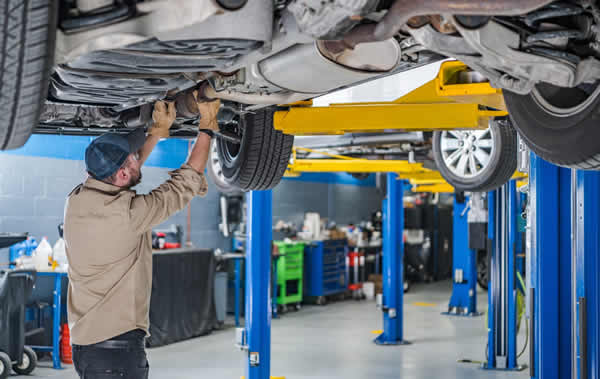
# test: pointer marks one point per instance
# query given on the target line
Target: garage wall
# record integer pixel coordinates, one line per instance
(340, 202)
(35, 180)
(33, 192)
(291, 199)
(351, 204)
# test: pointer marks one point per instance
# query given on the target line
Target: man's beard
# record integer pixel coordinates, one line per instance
(135, 180)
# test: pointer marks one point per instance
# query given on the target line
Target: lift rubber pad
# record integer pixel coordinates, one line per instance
(182, 304)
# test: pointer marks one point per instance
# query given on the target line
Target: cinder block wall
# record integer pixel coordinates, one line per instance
(33, 188)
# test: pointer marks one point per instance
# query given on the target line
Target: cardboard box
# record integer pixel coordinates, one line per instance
(377, 280)
(336, 234)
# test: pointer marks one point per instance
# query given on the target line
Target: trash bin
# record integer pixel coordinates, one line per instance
(15, 289)
(221, 296)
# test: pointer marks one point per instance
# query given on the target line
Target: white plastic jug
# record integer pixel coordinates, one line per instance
(59, 254)
(41, 254)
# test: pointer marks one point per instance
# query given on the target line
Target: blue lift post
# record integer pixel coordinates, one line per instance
(463, 301)
(586, 268)
(549, 271)
(502, 293)
(393, 265)
(258, 284)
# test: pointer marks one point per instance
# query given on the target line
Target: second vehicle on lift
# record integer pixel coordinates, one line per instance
(477, 160)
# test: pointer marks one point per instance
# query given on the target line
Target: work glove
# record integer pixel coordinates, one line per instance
(208, 113)
(163, 117)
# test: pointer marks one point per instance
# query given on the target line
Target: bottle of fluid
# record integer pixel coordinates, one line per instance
(59, 254)
(41, 254)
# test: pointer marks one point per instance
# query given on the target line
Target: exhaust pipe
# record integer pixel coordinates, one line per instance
(403, 10)
(208, 93)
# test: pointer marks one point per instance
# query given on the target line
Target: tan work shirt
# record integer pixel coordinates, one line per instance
(108, 236)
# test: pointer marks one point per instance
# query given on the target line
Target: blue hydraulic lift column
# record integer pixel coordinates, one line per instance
(258, 284)
(549, 270)
(393, 264)
(587, 268)
(502, 288)
(463, 301)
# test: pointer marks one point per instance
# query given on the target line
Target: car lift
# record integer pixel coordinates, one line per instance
(463, 301)
(441, 104)
(502, 288)
(563, 272)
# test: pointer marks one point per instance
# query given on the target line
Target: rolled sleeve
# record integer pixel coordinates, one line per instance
(147, 211)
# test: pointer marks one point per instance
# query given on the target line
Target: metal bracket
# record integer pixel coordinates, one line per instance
(501, 362)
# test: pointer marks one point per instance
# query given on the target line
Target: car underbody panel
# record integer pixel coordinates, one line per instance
(115, 58)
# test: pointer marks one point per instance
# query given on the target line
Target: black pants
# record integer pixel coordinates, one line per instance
(97, 362)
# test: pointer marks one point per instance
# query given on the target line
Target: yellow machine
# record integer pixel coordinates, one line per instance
(455, 99)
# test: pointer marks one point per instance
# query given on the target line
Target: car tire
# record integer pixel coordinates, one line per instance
(27, 37)
(482, 269)
(260, 160)
(29, 362)
(559, 124)
(5, 365)
(360, 175)
(413, 218)
(494, 154)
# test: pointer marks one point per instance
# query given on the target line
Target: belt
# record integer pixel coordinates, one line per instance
(119, 344)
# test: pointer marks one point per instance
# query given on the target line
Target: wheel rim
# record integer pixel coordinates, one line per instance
(215, 163)
(25, 364)
(467, 153)
(230, 152)
(565, 102)
(1, 367)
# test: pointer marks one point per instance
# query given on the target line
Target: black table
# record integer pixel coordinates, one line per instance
(182, 303)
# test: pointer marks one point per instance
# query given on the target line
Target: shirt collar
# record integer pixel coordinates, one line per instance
(102, 186)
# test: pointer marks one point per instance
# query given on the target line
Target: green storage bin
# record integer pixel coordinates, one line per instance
(290, 271)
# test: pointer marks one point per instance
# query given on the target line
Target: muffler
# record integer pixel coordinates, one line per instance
(307, 70)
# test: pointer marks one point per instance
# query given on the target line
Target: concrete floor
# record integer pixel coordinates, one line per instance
(335, 341)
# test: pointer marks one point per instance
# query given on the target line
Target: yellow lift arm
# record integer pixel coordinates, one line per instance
(419, 176)
(434, 188)
(445, 103)
(441, 104)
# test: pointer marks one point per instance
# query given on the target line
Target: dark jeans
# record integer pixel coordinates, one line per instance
(94, 362)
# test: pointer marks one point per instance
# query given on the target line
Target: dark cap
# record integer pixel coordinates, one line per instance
(107, 153)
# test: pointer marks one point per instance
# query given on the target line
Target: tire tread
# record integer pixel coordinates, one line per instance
(26, 55)
(267, 156)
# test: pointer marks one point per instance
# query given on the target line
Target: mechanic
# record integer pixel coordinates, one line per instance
(108, 240)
